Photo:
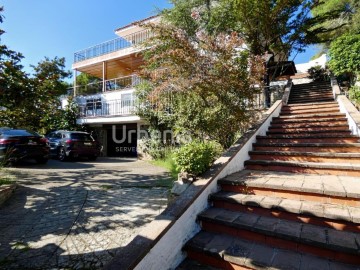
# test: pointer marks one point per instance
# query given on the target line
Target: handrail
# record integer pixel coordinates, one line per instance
(120, 83)
(112, 45)
(98, 108)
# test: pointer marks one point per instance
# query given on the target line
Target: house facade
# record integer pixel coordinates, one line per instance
(107, 103)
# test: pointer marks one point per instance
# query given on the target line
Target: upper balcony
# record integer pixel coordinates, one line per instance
(111, 46)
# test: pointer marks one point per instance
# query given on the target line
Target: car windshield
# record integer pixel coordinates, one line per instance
(81, 136)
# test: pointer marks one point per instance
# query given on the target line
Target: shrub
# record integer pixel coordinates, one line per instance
(354, 95)
(318, 74)
(196, 156)
(154, 145)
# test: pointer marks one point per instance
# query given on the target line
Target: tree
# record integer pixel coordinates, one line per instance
(344, 55)
(206, 83)
(345, 19)
(27, 101)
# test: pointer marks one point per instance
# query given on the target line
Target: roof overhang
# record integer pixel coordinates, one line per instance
(135, 26)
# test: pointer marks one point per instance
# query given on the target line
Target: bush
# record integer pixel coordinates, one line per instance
(354, 95)
(318, 74)
(196, 157)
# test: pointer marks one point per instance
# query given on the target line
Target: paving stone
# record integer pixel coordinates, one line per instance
(312, 185)
(313, 235)
(211, 212)
(342, 240)
(247, 220)
(270, 202)
(333, 187)
(284, 259)
(341, 266)
(228, 216)
(312, 209)
(275, 182)
(260, 256)
(351, 186)
(266, 225)
(309, 262)
(219, 244)
(238, 251)
(293, 184)
(252, 200)
(288, 229)
(42, 213)
(291, 206)
(337, 212)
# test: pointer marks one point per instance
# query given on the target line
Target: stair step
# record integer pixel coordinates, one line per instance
(342, 190)
(310, 108)
(309, 147)
(306, 156)
(314, 104)
(229, 252)
(304, 167)
(301, 101)
(293, 235)
(306, 139)
(331, 215)
(325, 121)
(275, 130)
(320, 95)
(299, 112)
(312, 116)
(309, 124)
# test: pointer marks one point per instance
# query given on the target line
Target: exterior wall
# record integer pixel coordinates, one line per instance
(303, 68)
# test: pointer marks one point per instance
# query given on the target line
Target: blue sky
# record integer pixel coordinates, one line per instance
(39, 28)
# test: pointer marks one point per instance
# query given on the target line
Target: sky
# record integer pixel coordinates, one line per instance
(39, 28)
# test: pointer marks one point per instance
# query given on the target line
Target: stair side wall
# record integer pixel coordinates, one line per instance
(167, 251)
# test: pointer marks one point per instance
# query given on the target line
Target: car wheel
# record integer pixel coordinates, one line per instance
(41, 160)
(61, 154)
(92, 158)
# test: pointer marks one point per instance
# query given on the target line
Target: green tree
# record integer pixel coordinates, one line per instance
(206, 83)
(344, 55)
(27, 101)
(83, 83)
(343, 16)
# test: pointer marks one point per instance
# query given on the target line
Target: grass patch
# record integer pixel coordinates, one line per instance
(106, 187)
(5, 178)
(169, 164)
(5, 181)
(21, 246)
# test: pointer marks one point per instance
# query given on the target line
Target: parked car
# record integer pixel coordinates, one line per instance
(72, 144)
(18, 144)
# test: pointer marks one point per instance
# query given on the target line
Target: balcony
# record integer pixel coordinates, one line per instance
(112, 46)
(97, 108)
(117, 84)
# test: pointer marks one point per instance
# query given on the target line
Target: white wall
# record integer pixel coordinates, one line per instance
(303, 68)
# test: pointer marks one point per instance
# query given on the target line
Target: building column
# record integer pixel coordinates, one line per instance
(104, 75)
(74, 83)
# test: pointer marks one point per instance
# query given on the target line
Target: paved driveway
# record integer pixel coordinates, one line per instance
(77, 215)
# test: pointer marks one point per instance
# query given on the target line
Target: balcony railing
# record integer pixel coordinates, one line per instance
(99, 108)
(121, 83)
(112, 46)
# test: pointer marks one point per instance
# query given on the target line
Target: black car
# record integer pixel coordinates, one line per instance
(18, 144)
(72, 144)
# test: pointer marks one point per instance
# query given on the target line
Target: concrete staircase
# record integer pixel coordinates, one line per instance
(297, 204)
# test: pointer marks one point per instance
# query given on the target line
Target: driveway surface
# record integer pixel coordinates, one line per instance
(78, 215)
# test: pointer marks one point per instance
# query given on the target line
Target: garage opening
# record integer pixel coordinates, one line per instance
(122, 140)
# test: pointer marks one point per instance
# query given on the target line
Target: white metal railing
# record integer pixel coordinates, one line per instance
(99, 108)
(112, 45)
(121, 83)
